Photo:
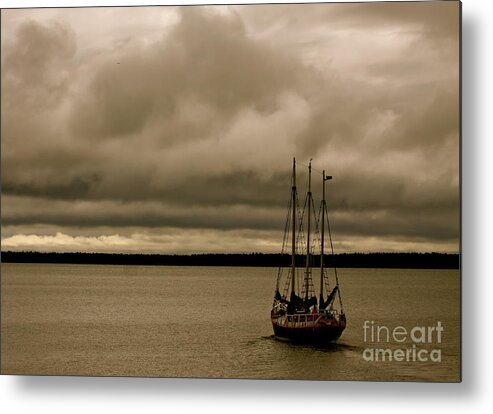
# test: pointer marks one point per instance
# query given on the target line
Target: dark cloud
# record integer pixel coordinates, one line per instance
(192, 121)
(437, 223)
(19, 211)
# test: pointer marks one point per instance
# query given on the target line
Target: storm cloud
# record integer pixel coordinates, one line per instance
(133, 129)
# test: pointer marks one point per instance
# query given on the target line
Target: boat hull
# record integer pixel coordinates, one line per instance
(318, 334)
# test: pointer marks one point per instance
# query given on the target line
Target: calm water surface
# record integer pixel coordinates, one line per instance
(210, 322)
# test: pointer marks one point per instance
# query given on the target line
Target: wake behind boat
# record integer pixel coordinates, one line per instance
(297, 314)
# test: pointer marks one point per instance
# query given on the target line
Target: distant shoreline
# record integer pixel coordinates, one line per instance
(343, 260)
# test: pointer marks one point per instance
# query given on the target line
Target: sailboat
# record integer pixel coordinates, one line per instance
(297, 314)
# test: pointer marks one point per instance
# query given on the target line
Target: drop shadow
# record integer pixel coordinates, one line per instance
(470, 226)
(388, 391)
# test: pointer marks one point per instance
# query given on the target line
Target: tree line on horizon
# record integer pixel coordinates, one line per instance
(342, 260)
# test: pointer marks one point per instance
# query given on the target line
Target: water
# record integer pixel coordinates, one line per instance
(210, 322)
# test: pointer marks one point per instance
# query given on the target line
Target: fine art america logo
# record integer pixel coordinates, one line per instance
(416, 344)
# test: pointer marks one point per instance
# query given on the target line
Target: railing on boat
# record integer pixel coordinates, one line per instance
(305, 320)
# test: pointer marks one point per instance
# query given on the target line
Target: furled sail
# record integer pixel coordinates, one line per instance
(280, 298)
(330, 299)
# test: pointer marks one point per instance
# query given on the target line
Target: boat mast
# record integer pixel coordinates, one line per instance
(309, 196)
(293, 241)
(324, 179)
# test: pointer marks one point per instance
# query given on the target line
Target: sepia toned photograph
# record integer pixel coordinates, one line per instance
(259, 191)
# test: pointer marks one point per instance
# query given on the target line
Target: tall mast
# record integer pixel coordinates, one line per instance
(324, 179)
(309, 196)
(293, 241)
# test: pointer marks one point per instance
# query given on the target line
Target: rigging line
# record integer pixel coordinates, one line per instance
(286, 231)
(290, 273)
(317, 241)
(308, 286)
(299, 239)
(313, 168)
(287, 226)
(326, 280)
(301, 245)
(290, 206)
(333, 259)
(307, 166)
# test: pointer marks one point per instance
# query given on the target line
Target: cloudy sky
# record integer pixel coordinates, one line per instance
(172, 129)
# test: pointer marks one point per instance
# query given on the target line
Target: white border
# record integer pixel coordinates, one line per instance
(129, 395)
(65, 3)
